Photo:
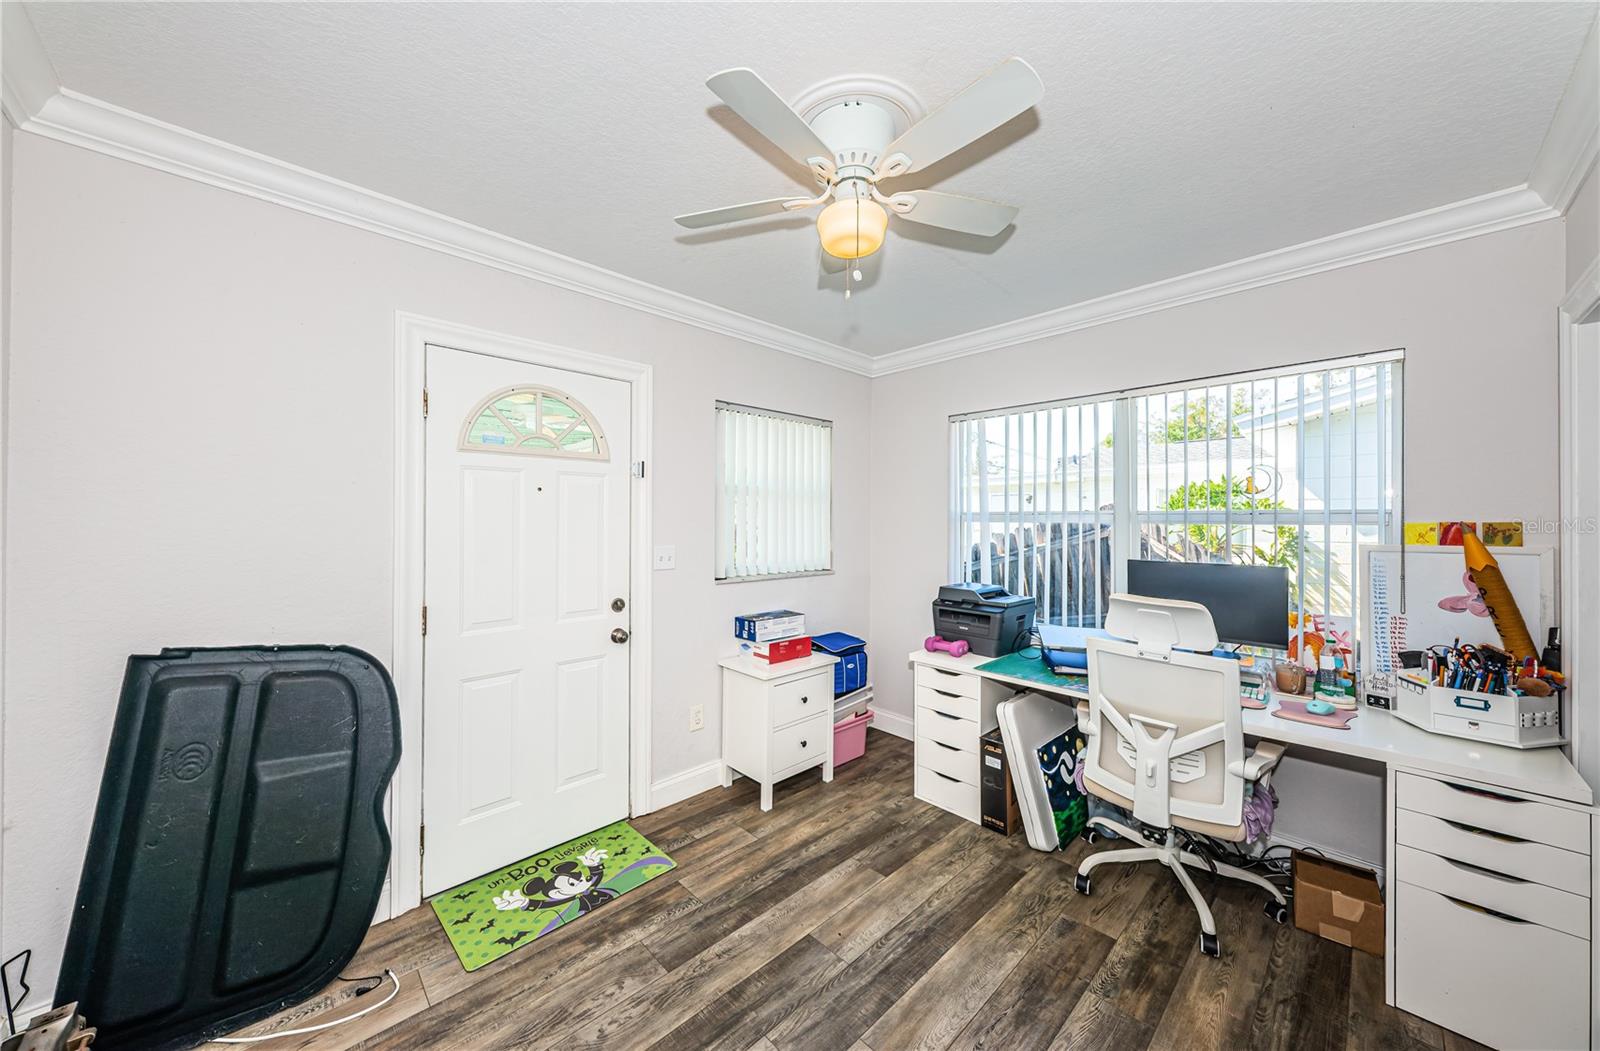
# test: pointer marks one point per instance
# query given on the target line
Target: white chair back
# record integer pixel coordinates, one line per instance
(1164, 720)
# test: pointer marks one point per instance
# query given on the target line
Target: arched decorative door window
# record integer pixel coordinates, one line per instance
(534, 421)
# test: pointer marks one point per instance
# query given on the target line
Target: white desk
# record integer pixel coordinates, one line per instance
(1374, 734)
(1537, 979)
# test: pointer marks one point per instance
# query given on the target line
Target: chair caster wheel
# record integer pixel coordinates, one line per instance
(1209, 946)
(1082, 883)
(1278, 911)
(1091, 836)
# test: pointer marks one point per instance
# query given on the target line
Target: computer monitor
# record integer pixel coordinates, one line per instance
(1249, 604)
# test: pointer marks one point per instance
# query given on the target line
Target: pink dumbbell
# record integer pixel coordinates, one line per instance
(934, 644)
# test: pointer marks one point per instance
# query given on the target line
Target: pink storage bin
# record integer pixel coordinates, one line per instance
(850, 738)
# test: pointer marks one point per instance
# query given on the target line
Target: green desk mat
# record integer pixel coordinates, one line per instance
(1021, 666)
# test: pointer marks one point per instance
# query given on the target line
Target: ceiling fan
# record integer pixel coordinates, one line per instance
(850, 147)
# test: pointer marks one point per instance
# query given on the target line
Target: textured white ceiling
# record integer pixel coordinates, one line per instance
(1171, 137)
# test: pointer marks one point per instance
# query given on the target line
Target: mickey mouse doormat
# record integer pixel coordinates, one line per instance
(491, 915)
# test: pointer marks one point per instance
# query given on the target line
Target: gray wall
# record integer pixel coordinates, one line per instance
(202, 410)
(1471, 315)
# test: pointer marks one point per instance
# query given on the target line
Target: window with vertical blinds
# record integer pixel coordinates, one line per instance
(1295, 468)
(774, 493)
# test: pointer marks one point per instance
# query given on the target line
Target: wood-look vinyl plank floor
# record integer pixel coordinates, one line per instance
(853, 917)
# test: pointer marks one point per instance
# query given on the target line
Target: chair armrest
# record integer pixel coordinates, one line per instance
(1085, 727)
(1259, 763)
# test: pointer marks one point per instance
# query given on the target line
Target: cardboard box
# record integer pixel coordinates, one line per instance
(1339, 902)
(997, 800)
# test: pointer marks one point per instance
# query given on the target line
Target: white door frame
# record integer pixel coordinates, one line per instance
(1579, 305)
(413, 335)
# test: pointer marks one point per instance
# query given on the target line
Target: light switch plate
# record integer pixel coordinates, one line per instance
(667, 557)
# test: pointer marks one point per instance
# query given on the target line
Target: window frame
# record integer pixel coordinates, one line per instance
(719, 524)
(1126, 516)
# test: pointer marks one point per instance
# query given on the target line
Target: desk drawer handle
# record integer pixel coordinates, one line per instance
(1480, 704)
(952, 747)
(1470, 907)
(943, 671)
(1481, 871)
(947, 777)
(1474, 830)
(1465, 790)
(946, 715)
(945, 693)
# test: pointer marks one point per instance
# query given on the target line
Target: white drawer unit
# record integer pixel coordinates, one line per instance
(952, 708)
(948, 793)
(1503, 982)
(1492, 912)
(1497, 811)
(777, 720)
(949, 760)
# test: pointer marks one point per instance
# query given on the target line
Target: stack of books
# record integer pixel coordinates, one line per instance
(774, 636)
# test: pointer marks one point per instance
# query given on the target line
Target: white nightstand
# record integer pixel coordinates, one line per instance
(777, 719)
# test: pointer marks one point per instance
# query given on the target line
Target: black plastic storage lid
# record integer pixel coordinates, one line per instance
(239, 847)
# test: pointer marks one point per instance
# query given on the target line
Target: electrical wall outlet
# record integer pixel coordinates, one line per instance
(666, 557)
(697, 717)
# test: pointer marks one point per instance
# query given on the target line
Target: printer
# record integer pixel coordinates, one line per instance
(991, 621)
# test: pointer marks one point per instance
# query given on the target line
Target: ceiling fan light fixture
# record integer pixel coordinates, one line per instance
(852, 228)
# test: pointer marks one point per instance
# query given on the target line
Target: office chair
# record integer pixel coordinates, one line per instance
(1165, 740)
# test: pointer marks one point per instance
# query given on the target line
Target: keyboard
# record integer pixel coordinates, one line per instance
(1252, 695)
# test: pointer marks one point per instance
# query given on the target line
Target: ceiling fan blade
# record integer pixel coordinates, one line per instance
(951, 211)
(734, 213)
(1009, 89)
(764, 110)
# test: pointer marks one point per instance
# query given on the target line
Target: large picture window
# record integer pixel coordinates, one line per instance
(1294, 468)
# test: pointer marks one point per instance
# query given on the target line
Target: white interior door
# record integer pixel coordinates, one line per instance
(525, 686)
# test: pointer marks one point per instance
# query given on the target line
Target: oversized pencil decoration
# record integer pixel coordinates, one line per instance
(1491, 585)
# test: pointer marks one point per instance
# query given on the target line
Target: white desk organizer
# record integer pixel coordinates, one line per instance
(1516, 722)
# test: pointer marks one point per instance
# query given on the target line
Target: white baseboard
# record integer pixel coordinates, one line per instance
(691, 782)
(892, 723)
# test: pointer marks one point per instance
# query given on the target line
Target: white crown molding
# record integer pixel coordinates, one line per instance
(1573, 141)
(27, 80)
(80, 120)
(37, 105)
(1452, 222)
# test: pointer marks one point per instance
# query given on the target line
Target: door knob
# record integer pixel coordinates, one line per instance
(619, 635)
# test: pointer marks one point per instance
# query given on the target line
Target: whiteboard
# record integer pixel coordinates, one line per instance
(1434, 612)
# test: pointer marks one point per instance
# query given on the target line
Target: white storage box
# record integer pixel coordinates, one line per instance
(1516, 722)
(852, 704)
(773, 624)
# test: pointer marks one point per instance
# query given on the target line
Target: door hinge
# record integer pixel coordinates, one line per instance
(638, 468)
(424, 403)
(422, 839)
(424, 620)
